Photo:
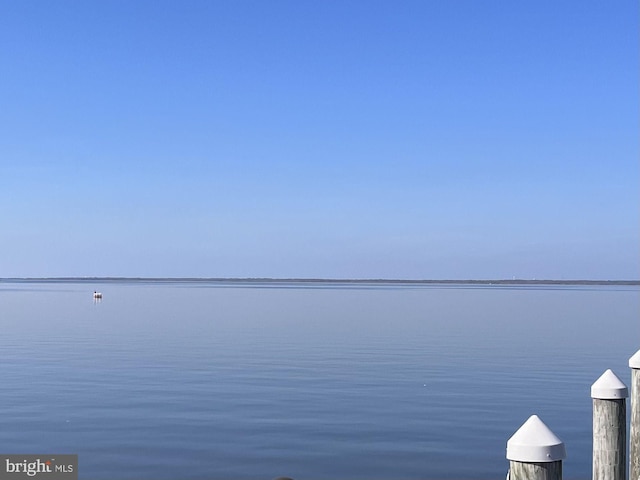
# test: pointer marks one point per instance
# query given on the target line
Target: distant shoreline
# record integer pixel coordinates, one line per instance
(381, 281)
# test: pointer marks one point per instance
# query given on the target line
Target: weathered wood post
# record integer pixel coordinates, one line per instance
(535, 452)
(609, 427)
(634, 441)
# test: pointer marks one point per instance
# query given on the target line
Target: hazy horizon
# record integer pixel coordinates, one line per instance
(460, 281)
(300, 139)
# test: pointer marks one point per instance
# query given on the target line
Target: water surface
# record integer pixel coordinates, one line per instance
(197, 380)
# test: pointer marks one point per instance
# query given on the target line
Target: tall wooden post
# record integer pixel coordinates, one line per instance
(634, 441)
(535, 452)
(609, 427)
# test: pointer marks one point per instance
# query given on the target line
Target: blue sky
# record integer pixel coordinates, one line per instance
(361, 139)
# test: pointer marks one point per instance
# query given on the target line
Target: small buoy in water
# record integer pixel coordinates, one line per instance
(97, 295)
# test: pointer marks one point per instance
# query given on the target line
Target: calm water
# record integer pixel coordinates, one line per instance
(214, 381)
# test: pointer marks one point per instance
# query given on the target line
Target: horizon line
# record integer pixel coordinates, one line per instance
(504, 281)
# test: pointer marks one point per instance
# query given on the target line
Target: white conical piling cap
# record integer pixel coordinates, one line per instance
(634, 362)
(609, 387)
(535, 442)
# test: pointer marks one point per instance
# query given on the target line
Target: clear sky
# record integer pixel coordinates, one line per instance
(305, 138)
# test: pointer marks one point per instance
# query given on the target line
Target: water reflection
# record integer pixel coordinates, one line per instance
(331, 382)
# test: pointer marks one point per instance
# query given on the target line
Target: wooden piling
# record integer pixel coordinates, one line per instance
(634, 433)
(535, 470)
(535, 452)
(609, 427)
